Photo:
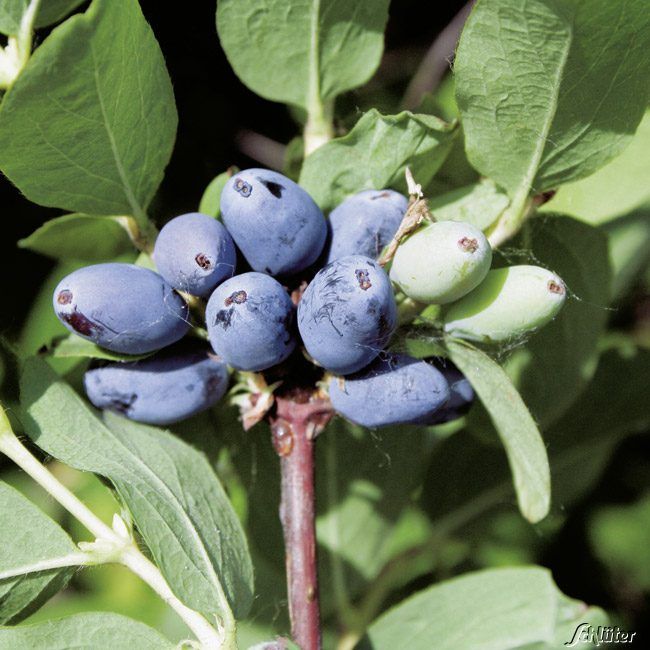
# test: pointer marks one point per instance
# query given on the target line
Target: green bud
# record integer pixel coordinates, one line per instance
(509, 303)
(441, 262)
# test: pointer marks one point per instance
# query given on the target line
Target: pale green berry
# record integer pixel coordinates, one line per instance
(510, 302)
(441, 262)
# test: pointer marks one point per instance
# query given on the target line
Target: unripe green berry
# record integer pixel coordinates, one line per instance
(441, 262)
(509, 303)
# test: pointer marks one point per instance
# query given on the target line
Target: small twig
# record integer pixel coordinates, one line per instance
(300, 416)
(437, 60)
(416, 213)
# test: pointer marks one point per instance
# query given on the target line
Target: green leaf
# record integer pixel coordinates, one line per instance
(90, 123)
(374, 155)
(29, 539)
(96, 630)
(172, 492)
(496, 609)
(80, 237)
(559, 360)
(306, 53)
(549, 90)
(363, 485)
(515, 426)
(580, 444)
(617, 533)
(479, 204)
(628, 238)
(211, 199)
(49, 12)
(614, 190)
(74, 346)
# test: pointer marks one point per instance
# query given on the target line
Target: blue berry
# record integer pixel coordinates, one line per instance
(276, 224)
(195, 253)
(461, 393)
(170, 386)
(250, 320)
(121, 307)
(365, 223)
(347, 314)
(393, 389)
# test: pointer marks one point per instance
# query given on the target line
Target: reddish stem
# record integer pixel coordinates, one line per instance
(299, 417)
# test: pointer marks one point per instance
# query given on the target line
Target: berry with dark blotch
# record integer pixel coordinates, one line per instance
(393, 389)
(274, 222)
(441, 262)
(195, 253)
(121, 307)
(347, 314)
(171, 386)
(250, 321)
(508, 304)
(365, 223)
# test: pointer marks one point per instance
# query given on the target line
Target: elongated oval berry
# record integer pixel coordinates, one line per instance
(276, 224)
(441, 262)
(461, 393)
(347, 314)
(393, 389)
(195, 253)
(250, 320)
(171, 386)
(121, 307)
(364, 223)
(509, 303)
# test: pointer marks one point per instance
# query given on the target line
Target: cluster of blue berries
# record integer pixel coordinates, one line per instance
(344, 319)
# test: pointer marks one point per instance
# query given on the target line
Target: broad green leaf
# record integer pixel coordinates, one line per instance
(479, 204)
(364, 482)
(628, 239)
(514, 424)
(558, 361)
(303, 53)
(614, 190)
(374, 155)
(30, 542)
(88, 631)
(90, 123)
(617, 534)
(496, 609)
(211, 199)
(49, 12)
(80, 237)
(551, 90)
(172, 492)
(72, 346)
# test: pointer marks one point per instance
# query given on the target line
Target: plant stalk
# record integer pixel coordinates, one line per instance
(298, 420)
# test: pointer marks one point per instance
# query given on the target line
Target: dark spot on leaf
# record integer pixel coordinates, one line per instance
(274, 188)
(203, 261)
(468, 244)
(64, 297)
(80, 323)
(243, 188)
(237, 297)
(363, 278)
(555, 287)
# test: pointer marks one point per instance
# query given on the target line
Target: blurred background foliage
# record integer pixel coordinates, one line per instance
(442, 499)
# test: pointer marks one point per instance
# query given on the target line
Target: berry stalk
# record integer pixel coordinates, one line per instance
(300, 416)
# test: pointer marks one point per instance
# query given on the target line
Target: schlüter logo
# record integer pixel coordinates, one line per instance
(600, 635)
